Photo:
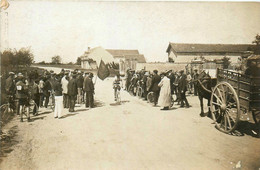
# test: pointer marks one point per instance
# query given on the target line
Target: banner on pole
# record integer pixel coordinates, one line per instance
(103, 71)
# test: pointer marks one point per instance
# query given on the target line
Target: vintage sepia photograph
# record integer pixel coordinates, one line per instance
(129, 85)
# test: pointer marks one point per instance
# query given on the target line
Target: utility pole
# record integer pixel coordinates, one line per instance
(4, 27)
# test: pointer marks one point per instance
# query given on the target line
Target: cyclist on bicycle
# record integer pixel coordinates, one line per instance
(117, 85)
(10, 89)
(22, 94)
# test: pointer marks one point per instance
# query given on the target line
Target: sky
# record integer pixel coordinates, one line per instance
(68, 28)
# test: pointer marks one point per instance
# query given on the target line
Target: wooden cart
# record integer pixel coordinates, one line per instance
(234, 95)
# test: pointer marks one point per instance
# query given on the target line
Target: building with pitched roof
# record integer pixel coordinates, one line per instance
(184, 53)
(126, 59)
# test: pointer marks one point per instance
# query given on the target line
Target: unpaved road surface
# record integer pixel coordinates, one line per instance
(133, 135)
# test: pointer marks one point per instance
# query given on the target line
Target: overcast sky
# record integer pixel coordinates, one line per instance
(69, 28)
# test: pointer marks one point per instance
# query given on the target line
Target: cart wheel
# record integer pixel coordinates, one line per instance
(225, 108)
(139, 92)
(256, 116)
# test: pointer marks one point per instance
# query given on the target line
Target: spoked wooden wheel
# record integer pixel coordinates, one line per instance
(256, 116)
(225, 108)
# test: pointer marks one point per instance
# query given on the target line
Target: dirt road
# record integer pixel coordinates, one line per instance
(133, 135)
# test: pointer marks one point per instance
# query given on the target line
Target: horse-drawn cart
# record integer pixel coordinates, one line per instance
(234, 95)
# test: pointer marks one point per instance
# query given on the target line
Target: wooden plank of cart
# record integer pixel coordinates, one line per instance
(234, 95)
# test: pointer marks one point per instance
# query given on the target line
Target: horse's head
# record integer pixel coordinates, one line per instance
(204, 76)
(205, 79)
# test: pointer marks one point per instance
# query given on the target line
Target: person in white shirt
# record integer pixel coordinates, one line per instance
(64, 84)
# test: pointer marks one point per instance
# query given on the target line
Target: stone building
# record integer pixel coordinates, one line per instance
(125, 59)
(185, 53)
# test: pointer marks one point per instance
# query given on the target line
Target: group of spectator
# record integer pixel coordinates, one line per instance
(65, 89)
(164, 86)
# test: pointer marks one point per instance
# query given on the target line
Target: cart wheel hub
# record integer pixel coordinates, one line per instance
(223, 107)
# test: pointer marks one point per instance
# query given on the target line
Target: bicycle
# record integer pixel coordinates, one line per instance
(140, 89)
(150, 97)
(7, 110)
(131, 89)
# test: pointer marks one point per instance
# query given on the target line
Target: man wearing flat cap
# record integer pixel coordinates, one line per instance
(10, 88)
(88, 87)
(154, 86)
(22, 95)
(72, 92)
(183, 88)
(195, 85)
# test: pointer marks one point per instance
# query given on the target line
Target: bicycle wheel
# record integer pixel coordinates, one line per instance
(139, 92)
(33, 106)
(131, 90)
(150, 97)
(5, 114)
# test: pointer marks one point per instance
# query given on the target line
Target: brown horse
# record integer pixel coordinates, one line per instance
(204, 85)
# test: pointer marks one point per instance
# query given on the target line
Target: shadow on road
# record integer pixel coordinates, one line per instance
(68, 115)
(44, 113)
(8, 140)
(81, 110)
(248, 128)
(37, 118)
(119, 103)
(98, 103)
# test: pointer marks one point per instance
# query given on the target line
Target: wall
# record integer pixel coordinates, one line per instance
(172, 56)
(188, 58)
(160, 66)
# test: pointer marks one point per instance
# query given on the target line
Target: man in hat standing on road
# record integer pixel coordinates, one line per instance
(10, 88)
(72, 92)
(195, 78)
(154, 86)
(182, 89)
(88, 87)
(22, 94)
(80, 81)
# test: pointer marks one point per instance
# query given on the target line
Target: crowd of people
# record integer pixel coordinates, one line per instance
(65, 89)
(164, 86)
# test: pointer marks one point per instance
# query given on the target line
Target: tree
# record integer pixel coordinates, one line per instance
(78, 62)
(24, 57)
(14, 58)
(257, 43)
(56, 59)
(226, 62)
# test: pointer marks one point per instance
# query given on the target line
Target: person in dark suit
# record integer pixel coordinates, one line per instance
(154, 86)
(46, 90)
(183, 88)
(195, 84)
(88, 87)
(72, 92)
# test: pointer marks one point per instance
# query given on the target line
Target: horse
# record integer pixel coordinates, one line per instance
(204, 85)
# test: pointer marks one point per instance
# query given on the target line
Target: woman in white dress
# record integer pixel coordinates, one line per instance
(165, 92)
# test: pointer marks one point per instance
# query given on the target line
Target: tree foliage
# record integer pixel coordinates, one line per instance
(257, 43)
(14, 58)
(78, 62)
(226, 62)
(56, 59)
